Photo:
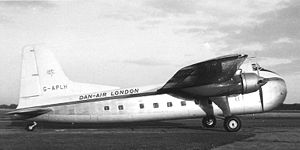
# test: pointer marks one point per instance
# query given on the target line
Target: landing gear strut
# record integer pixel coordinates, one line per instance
(232, 124)
(31, 126)
(209, 121)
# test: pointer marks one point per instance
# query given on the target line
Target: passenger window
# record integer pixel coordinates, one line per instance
(106, 107)
(169, 104)
(183, 103)
(120, 107)
(155, 105)
(141, 106)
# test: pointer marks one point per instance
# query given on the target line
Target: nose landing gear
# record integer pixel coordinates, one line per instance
(31, 126)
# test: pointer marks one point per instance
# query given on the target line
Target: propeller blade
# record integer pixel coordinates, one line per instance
(261, 98)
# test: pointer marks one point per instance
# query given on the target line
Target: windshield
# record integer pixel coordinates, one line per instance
(256, 67)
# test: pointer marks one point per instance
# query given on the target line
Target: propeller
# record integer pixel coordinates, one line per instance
(261, 98)
(261, 82)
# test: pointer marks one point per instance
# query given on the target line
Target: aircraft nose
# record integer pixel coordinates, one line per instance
(274, 93)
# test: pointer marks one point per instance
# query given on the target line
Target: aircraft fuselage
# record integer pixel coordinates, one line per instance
(160, 106)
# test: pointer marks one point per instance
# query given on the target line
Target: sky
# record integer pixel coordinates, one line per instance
(129, 43)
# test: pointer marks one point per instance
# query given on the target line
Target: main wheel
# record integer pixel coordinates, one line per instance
(209, 121)
(232, 124)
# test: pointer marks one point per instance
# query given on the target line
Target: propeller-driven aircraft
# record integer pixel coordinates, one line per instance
(221, 87)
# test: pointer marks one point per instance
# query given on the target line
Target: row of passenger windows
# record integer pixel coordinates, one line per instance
(142, 106)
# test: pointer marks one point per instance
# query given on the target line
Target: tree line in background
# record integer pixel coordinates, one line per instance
(295, 106)
(282, 107)
(11, 106)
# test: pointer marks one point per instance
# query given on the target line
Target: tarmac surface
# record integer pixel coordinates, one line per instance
(279, 130)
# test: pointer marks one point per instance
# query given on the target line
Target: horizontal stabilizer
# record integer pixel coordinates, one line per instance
(28, 112)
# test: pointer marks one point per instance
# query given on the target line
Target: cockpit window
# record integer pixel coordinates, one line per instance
(263, 69)
(256, 67)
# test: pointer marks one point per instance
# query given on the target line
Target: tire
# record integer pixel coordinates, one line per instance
(232, 124)
(209, 121)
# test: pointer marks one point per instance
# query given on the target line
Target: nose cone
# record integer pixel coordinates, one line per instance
(274, 93)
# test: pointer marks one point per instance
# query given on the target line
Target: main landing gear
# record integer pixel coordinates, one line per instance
(31, 126)
(209, 121)
(231, 123)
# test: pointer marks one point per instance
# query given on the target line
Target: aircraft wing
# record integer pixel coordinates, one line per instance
(28, 112)
(212, 71)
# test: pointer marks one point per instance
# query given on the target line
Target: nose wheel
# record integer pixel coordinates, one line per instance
(209, 121)
(232, 124)
(31, 126)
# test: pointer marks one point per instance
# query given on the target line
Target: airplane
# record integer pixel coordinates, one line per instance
(223, 87)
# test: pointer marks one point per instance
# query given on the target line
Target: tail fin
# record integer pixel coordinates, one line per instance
(41, 74)
(43, 80)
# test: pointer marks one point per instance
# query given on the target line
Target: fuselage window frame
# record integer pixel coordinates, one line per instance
(142, 106)
(120, 107)
(155, 105)
(106, 108)
(169, 104)
(183, 103)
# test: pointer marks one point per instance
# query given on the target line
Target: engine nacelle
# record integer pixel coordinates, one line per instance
(239, 84)
(251, 82)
